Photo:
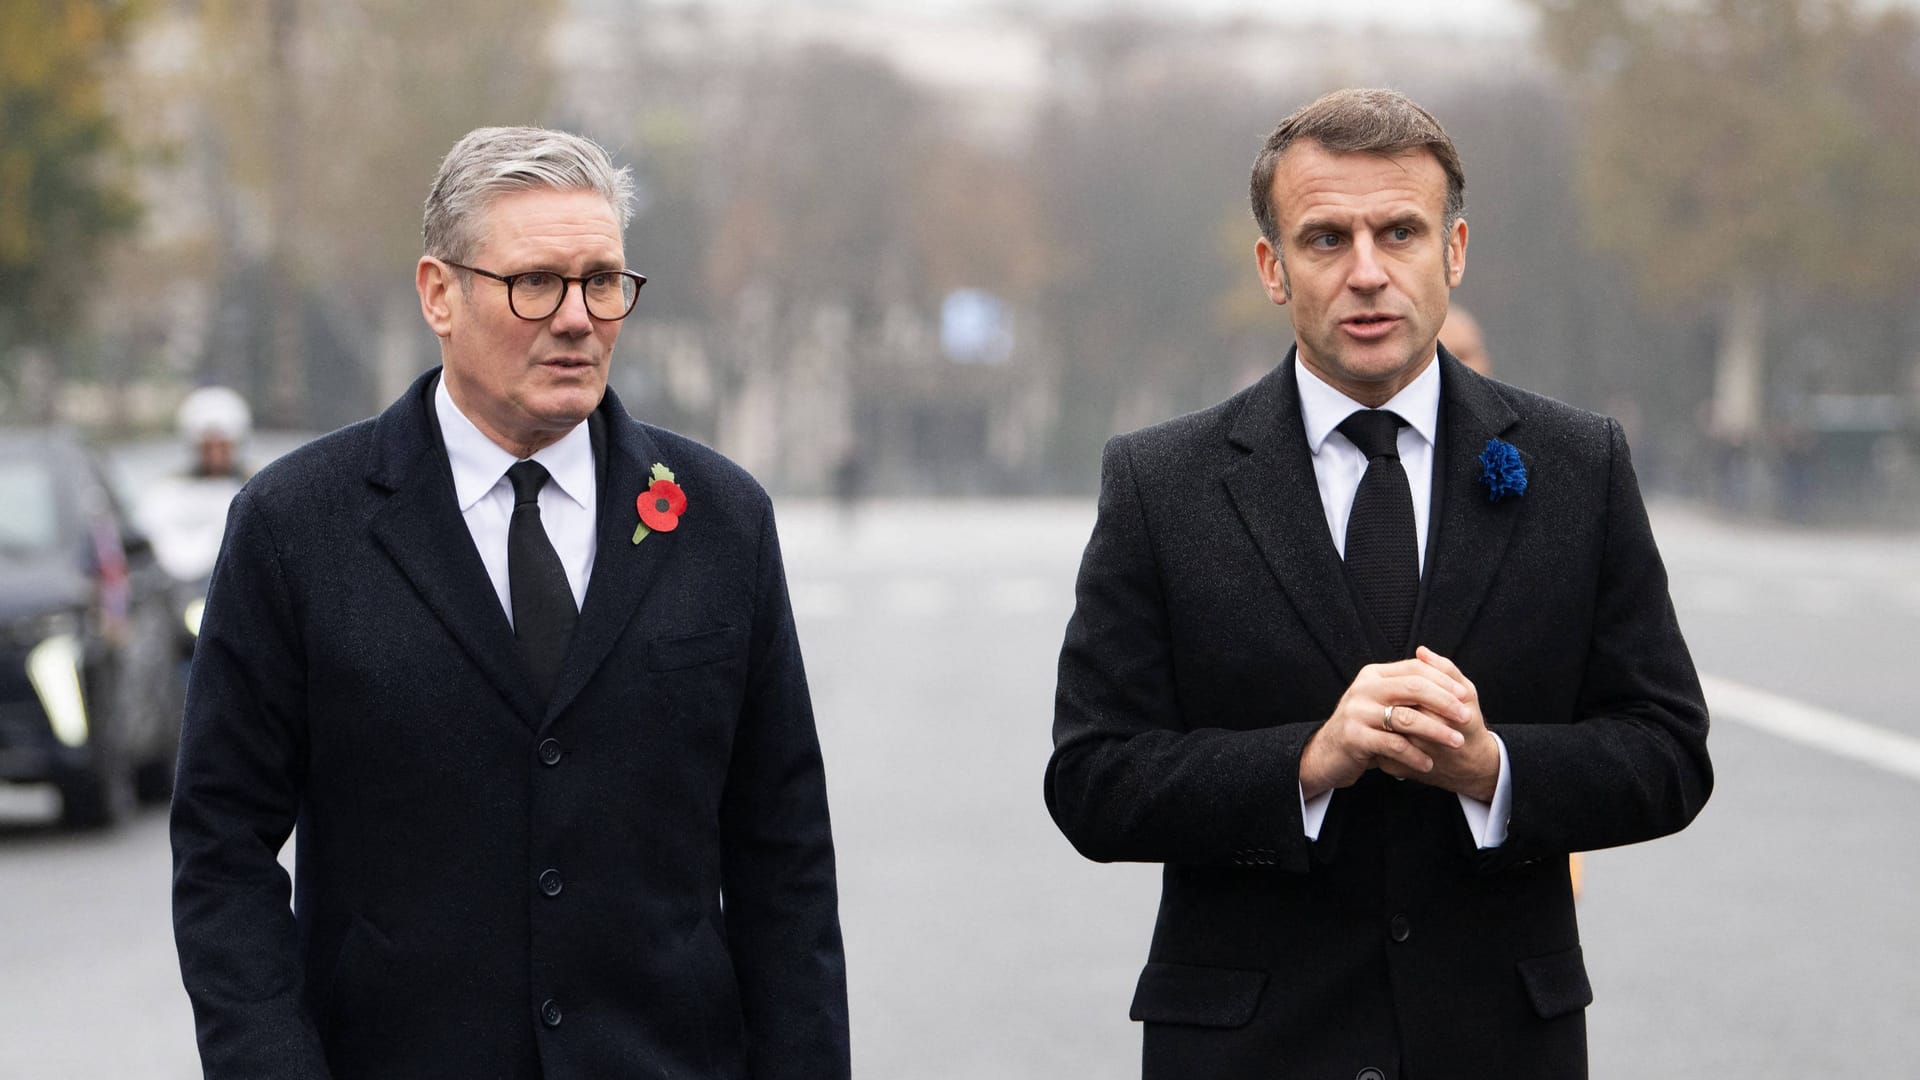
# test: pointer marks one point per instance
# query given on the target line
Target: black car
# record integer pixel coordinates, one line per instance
(90, 679)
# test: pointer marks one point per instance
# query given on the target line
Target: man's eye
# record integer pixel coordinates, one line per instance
(604, 280)
(534, 279)
(1325, 242)
(1401, 233)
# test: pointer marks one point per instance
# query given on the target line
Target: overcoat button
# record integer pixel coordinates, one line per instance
(550, 1013)
(550, 882)
(549, 752)
(1400, 928)
(1370, 1073)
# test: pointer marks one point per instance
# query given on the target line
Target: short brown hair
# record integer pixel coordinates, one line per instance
(1384, 122)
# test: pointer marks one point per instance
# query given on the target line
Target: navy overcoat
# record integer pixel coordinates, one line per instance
(632, 879)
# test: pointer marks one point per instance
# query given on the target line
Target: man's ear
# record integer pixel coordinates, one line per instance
(1457, 253)
(433, 280)
(1273, 271)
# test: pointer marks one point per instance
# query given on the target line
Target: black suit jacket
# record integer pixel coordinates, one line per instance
(633, 879)
(1215, 631)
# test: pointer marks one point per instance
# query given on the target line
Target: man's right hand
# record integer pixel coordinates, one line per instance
(1427, 705)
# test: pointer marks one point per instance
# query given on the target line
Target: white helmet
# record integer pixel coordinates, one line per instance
(215, 412)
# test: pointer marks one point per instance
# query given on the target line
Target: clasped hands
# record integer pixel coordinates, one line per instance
(1437, 736)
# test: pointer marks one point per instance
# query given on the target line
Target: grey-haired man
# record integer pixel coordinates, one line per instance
(524, 672)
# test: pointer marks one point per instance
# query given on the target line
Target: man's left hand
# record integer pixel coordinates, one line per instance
(1473, 768)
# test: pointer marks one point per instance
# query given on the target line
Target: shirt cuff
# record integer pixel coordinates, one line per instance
(1488, 821)
(1313, 812)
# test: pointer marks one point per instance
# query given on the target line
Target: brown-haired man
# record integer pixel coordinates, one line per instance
(1275, 628)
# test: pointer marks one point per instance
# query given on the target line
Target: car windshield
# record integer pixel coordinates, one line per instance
(31, 524)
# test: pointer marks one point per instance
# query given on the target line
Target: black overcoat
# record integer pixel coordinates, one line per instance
(1215, 630)
(633, 879)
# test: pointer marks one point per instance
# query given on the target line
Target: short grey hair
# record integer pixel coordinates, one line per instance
(492, 161)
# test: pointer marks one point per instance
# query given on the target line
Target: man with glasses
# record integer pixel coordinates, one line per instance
(524, 672)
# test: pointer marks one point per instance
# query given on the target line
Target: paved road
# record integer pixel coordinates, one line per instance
(1777, 937)
(1774, 939)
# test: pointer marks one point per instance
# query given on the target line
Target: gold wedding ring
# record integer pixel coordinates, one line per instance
(1389, 724)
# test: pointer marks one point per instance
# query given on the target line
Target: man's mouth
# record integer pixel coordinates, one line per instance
(1370, 325)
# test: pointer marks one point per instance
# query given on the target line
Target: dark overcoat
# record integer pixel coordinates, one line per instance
(1214, 632)
(632, 879)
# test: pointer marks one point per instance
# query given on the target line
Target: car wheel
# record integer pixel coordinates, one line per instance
(153, 779)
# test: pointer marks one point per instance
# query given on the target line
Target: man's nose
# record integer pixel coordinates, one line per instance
(1366, 274)
(571, 319)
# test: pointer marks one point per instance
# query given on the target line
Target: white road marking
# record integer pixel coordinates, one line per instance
(1842, 736)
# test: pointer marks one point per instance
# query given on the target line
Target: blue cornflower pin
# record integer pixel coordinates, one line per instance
(1502, 471)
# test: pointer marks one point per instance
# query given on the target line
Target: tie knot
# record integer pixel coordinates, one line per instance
(527, 478)
(1375, 432)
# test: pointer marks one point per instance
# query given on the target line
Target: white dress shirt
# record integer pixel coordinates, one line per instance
(1337, 467)
(568, 501)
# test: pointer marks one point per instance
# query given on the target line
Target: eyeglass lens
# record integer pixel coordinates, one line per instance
(538, 295)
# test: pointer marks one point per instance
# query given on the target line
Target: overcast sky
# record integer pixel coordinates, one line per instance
(1499, 17)
(1488, 16)
(1503, 16)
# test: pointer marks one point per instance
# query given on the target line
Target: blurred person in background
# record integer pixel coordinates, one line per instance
(185, 514)
(215, 421)
(1462, 337)
(1362, 654)
(524, 671)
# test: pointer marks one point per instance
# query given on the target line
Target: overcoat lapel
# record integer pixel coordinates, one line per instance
(421, 530)
(622, 570)
(1468, 538)
(1274, 491)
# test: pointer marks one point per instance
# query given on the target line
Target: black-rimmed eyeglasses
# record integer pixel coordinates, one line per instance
(536, 294)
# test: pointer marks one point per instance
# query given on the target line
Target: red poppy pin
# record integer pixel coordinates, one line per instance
(660, 505)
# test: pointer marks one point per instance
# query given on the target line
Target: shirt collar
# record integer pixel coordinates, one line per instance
(1322, 407)
(478, 462)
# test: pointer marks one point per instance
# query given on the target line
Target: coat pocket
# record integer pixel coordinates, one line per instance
(1557, 982)
(1199, 996)
(361, 970)
(692, 650)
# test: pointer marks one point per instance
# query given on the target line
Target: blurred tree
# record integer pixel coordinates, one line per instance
(1740, 151)
(808, 208)
(333, 118)
(1143, 167)
(822, 153)
(977, 222)
(65, 173)
(808, 163)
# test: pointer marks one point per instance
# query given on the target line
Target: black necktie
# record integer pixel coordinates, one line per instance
(1382, 553)
(543, 609)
